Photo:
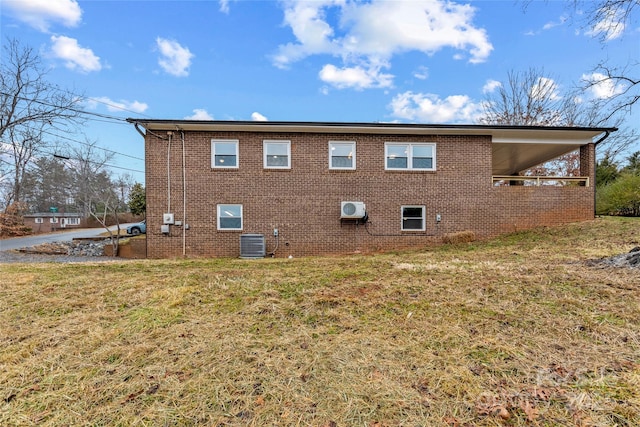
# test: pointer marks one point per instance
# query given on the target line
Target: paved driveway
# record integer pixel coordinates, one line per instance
(58, 236)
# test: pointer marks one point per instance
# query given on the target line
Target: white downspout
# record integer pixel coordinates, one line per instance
(184, 198)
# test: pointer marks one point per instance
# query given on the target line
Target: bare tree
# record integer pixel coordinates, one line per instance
(527, 98)
(97, 193)
(90, 176)
(530, 98)
(29, 107)
(608, 20)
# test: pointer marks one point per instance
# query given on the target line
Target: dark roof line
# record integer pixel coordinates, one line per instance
(339, 125)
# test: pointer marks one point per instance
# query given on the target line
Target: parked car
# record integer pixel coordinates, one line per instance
(138, 228)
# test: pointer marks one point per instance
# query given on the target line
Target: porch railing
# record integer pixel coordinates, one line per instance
(555, 181)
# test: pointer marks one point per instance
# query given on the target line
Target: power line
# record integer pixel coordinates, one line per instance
(91, 145)
(58, 156)
(75, 110)
(116, 106)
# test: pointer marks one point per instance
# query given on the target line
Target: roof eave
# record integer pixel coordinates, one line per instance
(499, 133)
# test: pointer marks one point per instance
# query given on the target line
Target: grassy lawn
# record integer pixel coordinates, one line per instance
(518, 330)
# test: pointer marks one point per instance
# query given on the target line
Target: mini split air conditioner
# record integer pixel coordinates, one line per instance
(352, 210)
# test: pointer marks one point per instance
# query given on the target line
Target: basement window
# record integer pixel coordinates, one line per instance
(277, 154)
(410, 156)
(342, 155)
(413, 218)
(229, 217)
(224, 153)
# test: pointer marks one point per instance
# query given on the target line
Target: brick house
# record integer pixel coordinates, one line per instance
(228, 189)
(45, 222)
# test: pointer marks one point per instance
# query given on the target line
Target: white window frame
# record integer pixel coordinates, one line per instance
(73, 221)
(333, 145)
(423, 217)
(410, 156)
(39, 220)
(265, 153)
(214, 143)
(224, 208)
(53, 220)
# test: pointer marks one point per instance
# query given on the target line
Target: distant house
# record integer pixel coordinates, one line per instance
(217, 188)
(45, 222)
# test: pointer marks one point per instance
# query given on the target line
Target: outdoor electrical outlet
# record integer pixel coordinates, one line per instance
(275, 232)
(438, 218)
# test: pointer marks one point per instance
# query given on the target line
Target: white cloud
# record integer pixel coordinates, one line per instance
(355, 77)
(41, 14)
(552, 24)
(429, 108)
(375, 31)
(422, 73)
(544, 88)
(602, 87)
(610, 27)
(174, 59)
(117, 106)
(490, 86)
(199, 114)
(257, 117)
(75, 56)
(224, 6)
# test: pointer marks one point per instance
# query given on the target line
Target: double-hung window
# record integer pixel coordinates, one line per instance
(229, 217)
(413, 218)
(224, 153)
(277, 154)
(342, 155)
(410, 156)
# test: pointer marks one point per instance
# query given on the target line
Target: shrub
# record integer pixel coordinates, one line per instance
(621, 197)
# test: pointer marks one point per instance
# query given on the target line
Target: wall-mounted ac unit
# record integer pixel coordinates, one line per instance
(352, 210)
(252, 246)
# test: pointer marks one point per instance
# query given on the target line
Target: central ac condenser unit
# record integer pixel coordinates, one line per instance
(352, 210)
(252, 246)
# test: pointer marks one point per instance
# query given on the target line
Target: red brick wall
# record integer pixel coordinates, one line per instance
(303, 203)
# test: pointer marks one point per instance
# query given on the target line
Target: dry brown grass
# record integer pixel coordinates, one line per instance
(459, 237)
(514, 331)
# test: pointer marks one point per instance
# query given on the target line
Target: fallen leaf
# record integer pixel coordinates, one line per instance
(452, 422)
(529, 410)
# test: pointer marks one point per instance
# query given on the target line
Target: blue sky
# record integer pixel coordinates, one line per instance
(325, 60)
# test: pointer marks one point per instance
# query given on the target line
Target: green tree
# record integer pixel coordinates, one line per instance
(633, 164)
(606, 171)
(137, 199)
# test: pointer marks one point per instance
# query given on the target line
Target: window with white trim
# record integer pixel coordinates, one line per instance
(342, 155)
(229, 217)
(73, 221)
(410, 156)
(413, 218)
(277, 154)
(53, 220)
(39, 221)
(224, 153)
